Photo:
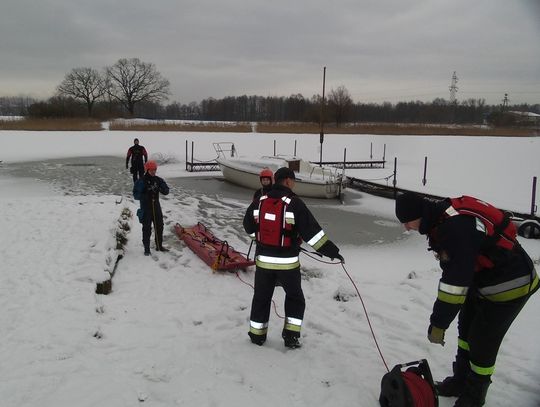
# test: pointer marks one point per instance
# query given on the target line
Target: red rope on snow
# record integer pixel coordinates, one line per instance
(251, 285)
(367, 317)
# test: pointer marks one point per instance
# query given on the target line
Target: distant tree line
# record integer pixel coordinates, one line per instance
(133, 88)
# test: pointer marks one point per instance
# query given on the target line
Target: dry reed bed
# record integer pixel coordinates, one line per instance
(200, 127)
(396, 129)
(291, 128)
(51, 125)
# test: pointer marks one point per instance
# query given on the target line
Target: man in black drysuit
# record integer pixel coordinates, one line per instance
(147, 190)
(139, 157)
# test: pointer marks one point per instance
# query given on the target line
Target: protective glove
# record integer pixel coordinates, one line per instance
(436, 335)
(340, 258)
(153, 188)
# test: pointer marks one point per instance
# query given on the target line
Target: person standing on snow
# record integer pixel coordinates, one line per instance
(139, 157)
(265, 177)
(487, 278)
(147, 190)
(279, 221)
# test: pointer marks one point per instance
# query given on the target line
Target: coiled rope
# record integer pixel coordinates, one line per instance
(420, 389)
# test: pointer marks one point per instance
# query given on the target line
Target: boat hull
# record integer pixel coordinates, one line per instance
(303, 187)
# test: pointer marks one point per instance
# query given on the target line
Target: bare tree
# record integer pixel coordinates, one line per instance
(85, 84)
(131, 81)
(340, 103)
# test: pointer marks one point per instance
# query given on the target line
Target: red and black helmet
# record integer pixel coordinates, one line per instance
(266, 173)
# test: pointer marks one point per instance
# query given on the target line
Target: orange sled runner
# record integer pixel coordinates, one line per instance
(213, 251)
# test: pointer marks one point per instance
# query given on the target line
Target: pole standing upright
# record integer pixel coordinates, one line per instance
(322, 116)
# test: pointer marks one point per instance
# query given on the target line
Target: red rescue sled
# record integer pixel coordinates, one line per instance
(213, 251)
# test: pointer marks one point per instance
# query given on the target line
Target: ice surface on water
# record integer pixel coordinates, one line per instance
(218, 204)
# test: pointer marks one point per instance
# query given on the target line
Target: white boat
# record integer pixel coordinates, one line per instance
(311, 180)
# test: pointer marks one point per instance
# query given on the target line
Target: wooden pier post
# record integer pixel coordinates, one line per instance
(533, 200)
(186, 155)
(394, 181)
(425, 171)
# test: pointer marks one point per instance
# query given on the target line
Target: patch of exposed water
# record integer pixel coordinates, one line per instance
(107, 175)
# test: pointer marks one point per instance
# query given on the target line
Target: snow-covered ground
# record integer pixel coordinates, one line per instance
(174, 333)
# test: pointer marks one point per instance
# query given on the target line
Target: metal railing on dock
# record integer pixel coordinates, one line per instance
(353, 164)
(202, 166)
(199, 166)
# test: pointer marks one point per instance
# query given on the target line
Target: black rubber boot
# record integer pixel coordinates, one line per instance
(474, 394)
(453, 386)
(291, 339)
(257, 339)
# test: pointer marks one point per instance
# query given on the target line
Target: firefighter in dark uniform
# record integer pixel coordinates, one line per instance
(279, 221)
(139, 157)
(487, 278)
(265, 177)
(147, 190)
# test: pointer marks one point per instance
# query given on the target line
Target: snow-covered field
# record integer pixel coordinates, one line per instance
(172, 333)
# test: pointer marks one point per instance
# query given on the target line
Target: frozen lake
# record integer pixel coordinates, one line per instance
(106, 175)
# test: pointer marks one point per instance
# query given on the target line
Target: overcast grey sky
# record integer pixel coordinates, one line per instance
(380, 50)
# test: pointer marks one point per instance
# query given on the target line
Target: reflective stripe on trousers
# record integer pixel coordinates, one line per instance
(258, 328)
(510, 290)
(293, 324)
(277, 263)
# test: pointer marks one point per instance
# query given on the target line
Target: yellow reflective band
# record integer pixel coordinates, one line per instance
(256, 331)
(504, 292)
(269, 263)
(316, 238)
(463, 344)
(319, 244)
(450, 298)
(293, 324)
(483, 371)
(258, 325)
(258, 328)
(453, 289)
(291, 327)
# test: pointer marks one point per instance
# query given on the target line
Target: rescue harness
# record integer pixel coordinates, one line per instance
(500, 232)
(274, 222)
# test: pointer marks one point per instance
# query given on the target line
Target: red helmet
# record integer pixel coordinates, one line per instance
(150, 165)
(266, 173)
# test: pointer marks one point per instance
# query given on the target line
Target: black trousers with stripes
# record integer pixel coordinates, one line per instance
(265, 282)
(483, 325)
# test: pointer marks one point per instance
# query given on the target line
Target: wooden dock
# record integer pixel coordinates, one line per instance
(353, 164)
(202, 166)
